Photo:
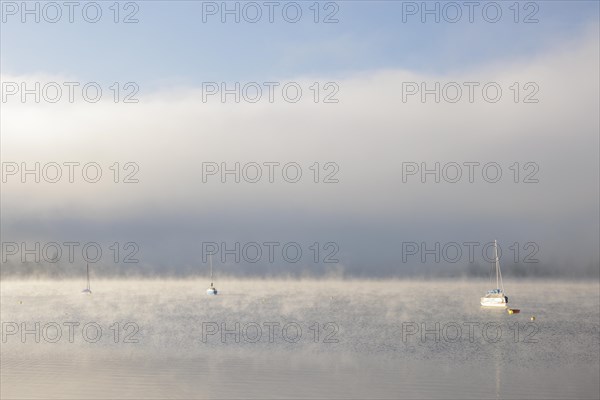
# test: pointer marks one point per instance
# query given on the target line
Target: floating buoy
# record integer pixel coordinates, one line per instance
(532, 318)
(513, 311)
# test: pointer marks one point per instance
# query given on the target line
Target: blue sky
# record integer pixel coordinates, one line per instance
(172, 46)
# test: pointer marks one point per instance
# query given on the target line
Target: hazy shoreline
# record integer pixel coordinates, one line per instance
(231, 278)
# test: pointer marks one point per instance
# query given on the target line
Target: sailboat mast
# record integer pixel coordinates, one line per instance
(88, 275)
(211, 269)
(497, 265)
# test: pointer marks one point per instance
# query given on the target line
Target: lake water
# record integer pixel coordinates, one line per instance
(298, 339)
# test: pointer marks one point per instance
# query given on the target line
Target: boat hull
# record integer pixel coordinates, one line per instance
(493, 305)
(211, 292)
(487, 302)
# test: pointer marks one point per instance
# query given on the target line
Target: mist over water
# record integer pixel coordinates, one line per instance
(245, 270)
(366, 345)
(354, 175)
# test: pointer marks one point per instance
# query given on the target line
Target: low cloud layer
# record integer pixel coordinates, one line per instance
(367, 136)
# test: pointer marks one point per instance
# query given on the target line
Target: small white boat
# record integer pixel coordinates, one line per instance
(87, 289)
(496, 297)
(212, 290)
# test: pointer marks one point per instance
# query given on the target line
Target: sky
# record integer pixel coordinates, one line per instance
(364, 127)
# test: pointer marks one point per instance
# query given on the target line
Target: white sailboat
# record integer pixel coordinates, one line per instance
(87, 290)
(496, 297)
(212, 290)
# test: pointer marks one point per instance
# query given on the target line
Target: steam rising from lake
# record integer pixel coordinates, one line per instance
(369, 351)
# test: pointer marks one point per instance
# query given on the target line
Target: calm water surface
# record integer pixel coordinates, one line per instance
(328, 339)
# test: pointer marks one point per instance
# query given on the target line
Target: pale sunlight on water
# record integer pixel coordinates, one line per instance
(298, 339)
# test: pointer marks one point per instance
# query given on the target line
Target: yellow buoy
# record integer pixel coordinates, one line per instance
(532, 318)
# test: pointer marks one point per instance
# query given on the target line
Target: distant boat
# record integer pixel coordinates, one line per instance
(211, 290)
(87, 290)
(496, 297)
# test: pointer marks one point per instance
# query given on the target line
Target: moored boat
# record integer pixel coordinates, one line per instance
(496, 297)
(212, 290)
(87, 289)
